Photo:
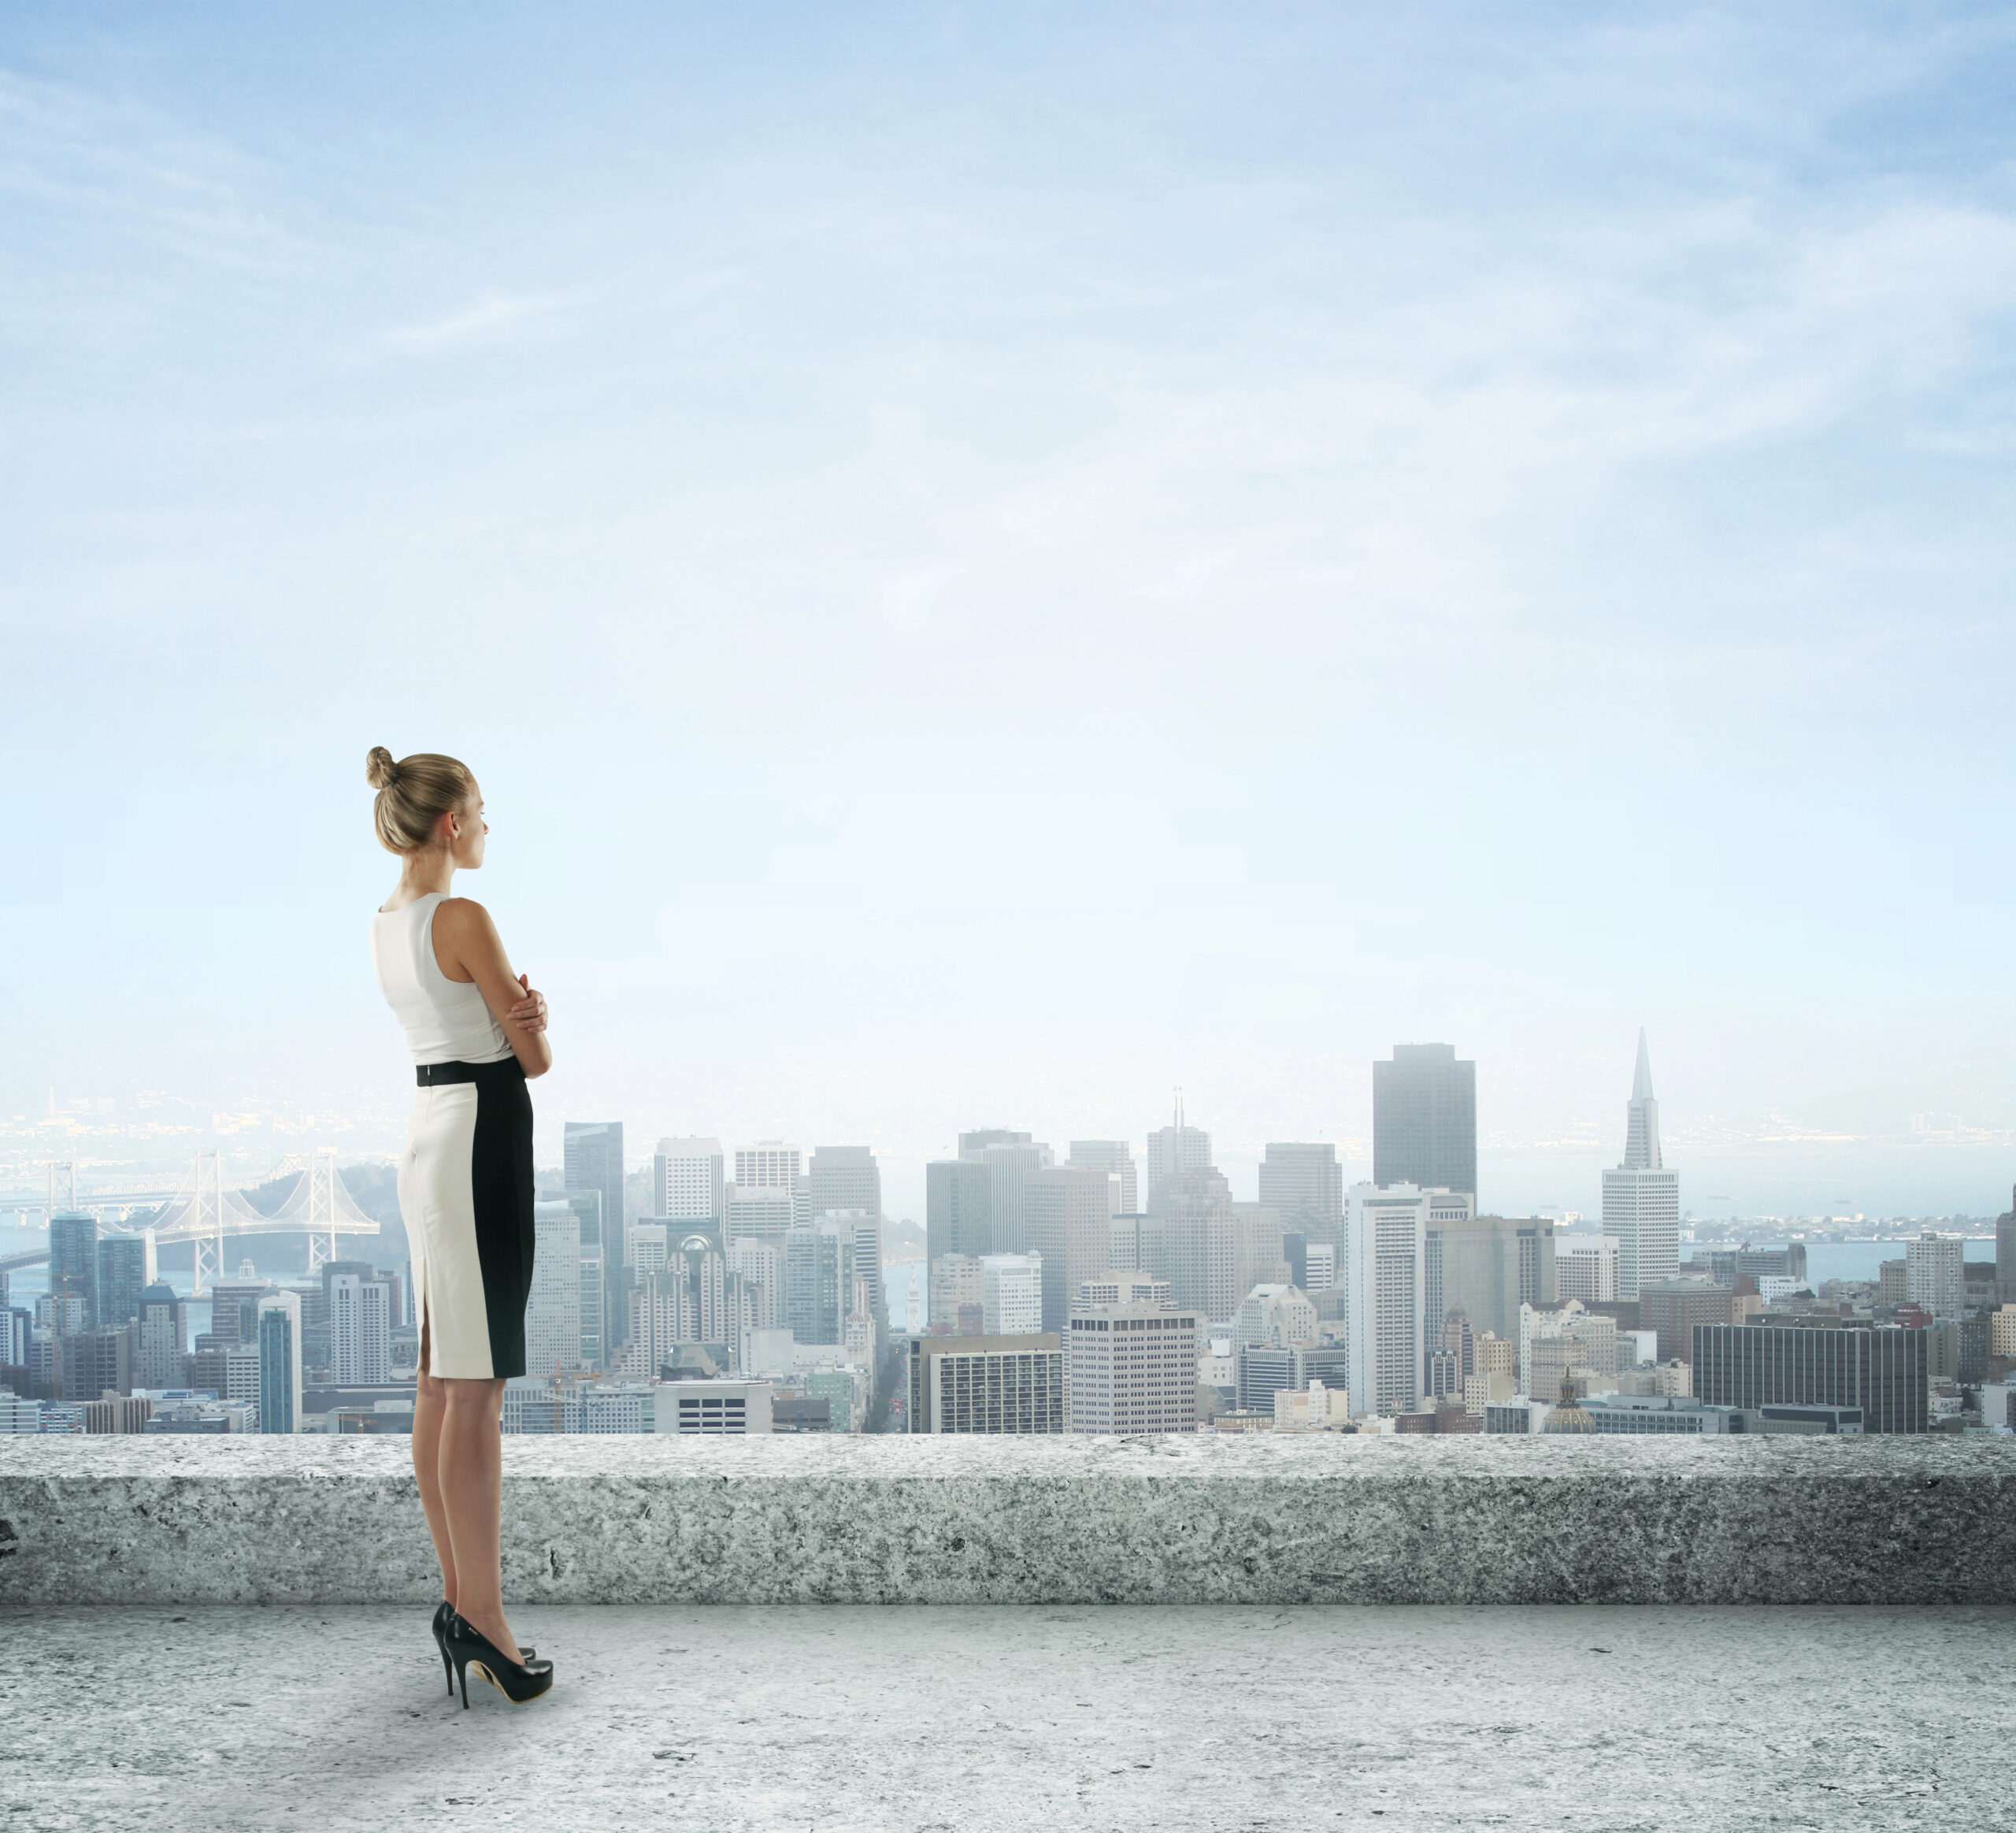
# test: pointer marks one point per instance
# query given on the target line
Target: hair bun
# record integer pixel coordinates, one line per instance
(380, 771)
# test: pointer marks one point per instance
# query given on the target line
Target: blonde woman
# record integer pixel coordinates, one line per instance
(465, 1191)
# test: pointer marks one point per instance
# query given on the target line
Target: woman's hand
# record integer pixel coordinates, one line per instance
(529, 1013)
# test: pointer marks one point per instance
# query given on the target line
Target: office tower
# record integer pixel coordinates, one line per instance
(651, 1333)
(689, 1180)
(1823, 1361)
(360, 1331)
(843, 1177)
(1138, 1244)
(1485, 1266)
(957, 1295)
(1008, 1158)
(1305, 1184)
(592, 1155)
(756, 1264)
(1197, 1216)
(818, 1281)
(1385, 1247)
(93, 1362)
(1067, 1220)
(230, 1372)
(73, 1260)
(650, 1249)
(701, 1274)
(552, 1310)
(1130, 1360)
(1569, 1345)
(1174, 1153)
(164, 1338)
(1641, 1198)
(1274, 1316)
(122, 1277)
(1585, 1267)
(1114, 1157)
(1425, 1120)
(1011, 1295)
(770, 1164)
(1319, 1260)
(280, 1362)
(1009, 1385)
(1934, 1274)
(592, 1274)
(958, 1211)
(2005, 1253)
(973, 1144)
(234, 1312)
(764, 1202)
(1672, 1308)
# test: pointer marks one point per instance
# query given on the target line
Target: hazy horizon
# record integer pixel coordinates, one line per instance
(993, 566)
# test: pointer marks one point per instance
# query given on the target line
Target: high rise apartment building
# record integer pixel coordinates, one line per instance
(1305, 1184)
(1935, 1278)
(1174, 1153)
(280, 1362)
(553, 1310)
(1641, 1198)
(689, 1181)
(1385, 1249)
(1114, 1158)
(360, 1331)
(1825, 1362)
(1585, 1267)
(1425, 1120)
(1002, 1385)
(1130, 1360)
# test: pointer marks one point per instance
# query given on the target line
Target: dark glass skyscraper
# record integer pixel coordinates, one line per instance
(593, 1160)
(73, 1260)
(1425, 1118)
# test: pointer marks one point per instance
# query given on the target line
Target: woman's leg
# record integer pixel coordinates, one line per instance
(428, 1406)
(472, 1486)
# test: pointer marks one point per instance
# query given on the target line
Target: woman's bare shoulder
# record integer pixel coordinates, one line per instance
(463, 916)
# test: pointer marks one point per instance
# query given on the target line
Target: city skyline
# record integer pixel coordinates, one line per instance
(1229, 486)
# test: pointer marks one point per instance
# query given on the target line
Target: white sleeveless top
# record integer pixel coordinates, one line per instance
(445, 1021)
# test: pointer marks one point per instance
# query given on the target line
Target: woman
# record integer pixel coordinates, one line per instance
(465, 1191)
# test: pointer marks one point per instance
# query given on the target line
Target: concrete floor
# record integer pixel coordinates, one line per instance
(837, 1719)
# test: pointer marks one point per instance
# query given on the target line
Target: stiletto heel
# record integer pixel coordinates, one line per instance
(518, 1681)
(443, 1611)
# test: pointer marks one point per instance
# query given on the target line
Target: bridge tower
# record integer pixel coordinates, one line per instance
(207, 1218)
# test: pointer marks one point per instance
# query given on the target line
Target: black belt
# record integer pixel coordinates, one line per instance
(431, 1075)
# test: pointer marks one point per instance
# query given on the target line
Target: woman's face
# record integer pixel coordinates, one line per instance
(466, 836)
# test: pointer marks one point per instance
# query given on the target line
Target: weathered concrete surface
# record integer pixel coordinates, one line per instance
(1249, 1520)
(1547, 1720)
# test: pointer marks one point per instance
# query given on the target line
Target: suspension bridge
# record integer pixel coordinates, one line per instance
(205, 1214)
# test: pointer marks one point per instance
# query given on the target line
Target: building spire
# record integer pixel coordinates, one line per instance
(1641, 1133)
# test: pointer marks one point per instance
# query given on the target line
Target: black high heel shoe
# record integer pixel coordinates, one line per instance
(443, 1611)
(518, 1681)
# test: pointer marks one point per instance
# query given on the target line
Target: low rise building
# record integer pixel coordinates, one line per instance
(1009, 1385)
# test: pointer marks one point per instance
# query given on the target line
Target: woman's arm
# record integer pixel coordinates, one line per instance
(468, 948)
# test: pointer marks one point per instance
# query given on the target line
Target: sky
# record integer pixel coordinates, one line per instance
(995, 563)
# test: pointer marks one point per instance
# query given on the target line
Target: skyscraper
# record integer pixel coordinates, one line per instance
(1385, 1244)
(818, 1281)
(1935, 1277)
(1485, 1266)
(1066, 1219)
(1130, 1360)
(958, 1211)
(592, 1160)
(360, 1331)
(552, 1310)
(1305, 1184)
(1641, 1198)
(1114, 1157)
(122, 1277)
(689, 1180)
(1174, 1151)
(592, 1274)
(1009, 1157)
(164, 1338)
(2005, 1253)
(844, 1177)
(73, 1260)
(1425, 1120)
(280, 1362)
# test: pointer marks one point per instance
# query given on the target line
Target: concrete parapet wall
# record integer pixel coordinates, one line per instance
(1252, 1519)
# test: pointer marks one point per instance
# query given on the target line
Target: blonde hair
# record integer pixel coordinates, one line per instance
(414, 794)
